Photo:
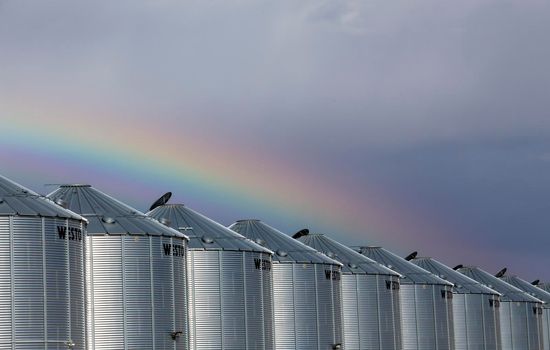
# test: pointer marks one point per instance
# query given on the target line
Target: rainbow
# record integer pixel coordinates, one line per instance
(133, 160)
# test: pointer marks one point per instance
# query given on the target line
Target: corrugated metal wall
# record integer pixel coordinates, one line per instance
(229, 300)
(476, 322)
(41, 284)
(372, 314)
(521, 325)
(307, 306)
(134, 285)
(426, 317)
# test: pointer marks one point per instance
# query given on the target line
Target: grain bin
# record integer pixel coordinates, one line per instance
(476, 313)
(539, 294)
(230, 297)
(370, 296)
(426, 303)
(41, 272)
(135, 274)
(520, 313)
(306, 290)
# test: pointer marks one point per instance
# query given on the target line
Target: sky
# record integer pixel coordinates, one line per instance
(419, 126)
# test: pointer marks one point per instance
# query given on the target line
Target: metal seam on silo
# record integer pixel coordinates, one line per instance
(43, 234)
(294, 305)
(12, 284)
(90, 317)
(173, 291)
(416, 315)
(243, 261)
(220, 266)
(317, 306)
(527, 326)
(435, 316)
(124, 306)
(379, 312)
(69, 296)
(484, 324)
(151, 276)
(357, 303)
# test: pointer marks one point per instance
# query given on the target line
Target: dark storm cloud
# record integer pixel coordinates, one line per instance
(441, 104)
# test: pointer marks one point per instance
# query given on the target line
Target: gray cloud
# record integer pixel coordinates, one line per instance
(442, 104)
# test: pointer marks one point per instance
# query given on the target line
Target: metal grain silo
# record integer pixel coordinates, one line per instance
(307, 303)
(426, 303)
(41, 272)
(520, 313)
(135, 274)
(230, 297)
(370, 297)
(476, 310)
(539, 294)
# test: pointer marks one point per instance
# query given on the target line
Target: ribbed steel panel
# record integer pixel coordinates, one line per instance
(230, 300)
(426, 303)
(296, 265)
(133, 284)
(540, 294)
(521, 325)
(370, 297)
(371, 311)
(135, 275)
(427, 317)
(41, 280)
(520, 313)
(307, 299)
(476, 321)
(230, 296)
(475, 308)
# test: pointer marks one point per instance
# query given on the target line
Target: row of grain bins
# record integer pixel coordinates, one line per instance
(82, 270)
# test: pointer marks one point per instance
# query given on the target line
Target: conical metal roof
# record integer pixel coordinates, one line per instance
(18, 200)
(354, 263)
(544, 286)
(107, 215)
(508, 291)
(411, 273)
(285, 247)
(204, 233)
(462, 283)
(528, 288)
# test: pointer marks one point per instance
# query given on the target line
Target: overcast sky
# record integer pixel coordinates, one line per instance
(436, 110)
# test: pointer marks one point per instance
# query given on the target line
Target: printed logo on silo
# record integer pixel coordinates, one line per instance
(494, 303)
(392, 285)
(446, 294)
(262, 264)
(71, 234)
(173, 249)
(537, 310)
(332, 275)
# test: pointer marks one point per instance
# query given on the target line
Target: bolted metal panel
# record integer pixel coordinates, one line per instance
(135, 275)
(308, 307)
(546, 328)
(306, 290)
(41, 272)
(476, 321)
(475, 308)
(135, 284)
(230, 293)
(427, 316)
(371, 311)
(426, 303)
(540, 294)
(230, 300)
(520, 313)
